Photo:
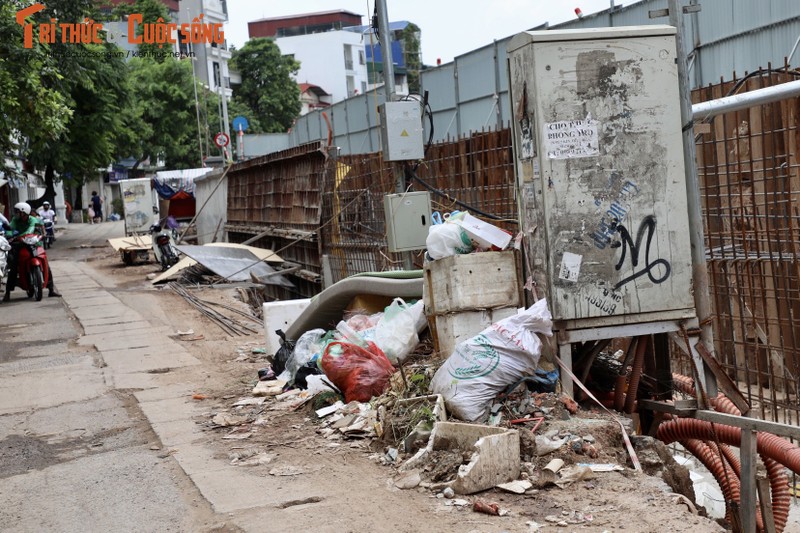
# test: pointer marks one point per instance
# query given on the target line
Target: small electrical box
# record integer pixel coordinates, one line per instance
(408, 217)
(401, 131)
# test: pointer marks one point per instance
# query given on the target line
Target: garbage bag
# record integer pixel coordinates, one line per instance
(482, 366)
(447, 239)
(283, 354)
(397, 331)
(309, 344)
(360, 373)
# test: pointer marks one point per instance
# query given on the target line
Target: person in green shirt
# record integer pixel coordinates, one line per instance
(23, 223)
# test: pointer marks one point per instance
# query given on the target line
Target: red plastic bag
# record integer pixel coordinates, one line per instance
(359, 373)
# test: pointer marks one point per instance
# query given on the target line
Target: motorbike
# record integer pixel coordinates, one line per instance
(32, 270)
(164, 245)
(49, 233)
(4, 249)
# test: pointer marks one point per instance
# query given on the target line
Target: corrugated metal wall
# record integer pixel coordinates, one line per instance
(471, 93)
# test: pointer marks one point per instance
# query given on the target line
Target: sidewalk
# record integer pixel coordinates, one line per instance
(138, 354)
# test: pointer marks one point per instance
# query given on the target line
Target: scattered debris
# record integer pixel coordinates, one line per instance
(480, 506)
(517, 487)
(408, 480)
(287, 470)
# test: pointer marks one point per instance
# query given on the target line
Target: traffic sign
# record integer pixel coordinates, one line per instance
(240, 123)
(221, 140)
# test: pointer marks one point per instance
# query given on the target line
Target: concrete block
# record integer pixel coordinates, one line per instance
(280, 315)
(495, 457)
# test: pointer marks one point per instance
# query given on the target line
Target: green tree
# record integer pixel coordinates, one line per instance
(163, 113)
(83, 83)
(32, 101)
(412, 55)
(268, 88)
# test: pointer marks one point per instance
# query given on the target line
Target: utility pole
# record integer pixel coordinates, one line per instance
(748, 500)
(390, 95)
(697, 234)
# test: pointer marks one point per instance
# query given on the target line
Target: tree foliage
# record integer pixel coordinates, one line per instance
(268, 88)
(66, 114)
(412, 53)
(162, 117)
(32, 100)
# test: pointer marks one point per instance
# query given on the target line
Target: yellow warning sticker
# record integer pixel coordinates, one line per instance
(404, 134)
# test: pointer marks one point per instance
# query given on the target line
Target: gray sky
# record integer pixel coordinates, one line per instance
(449, 27)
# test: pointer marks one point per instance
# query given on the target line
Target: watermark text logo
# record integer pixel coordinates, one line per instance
(89, 31)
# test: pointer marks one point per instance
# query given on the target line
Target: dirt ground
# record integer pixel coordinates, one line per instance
(291, 444)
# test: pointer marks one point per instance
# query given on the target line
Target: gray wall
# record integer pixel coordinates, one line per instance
(471, 93)
(215, 206)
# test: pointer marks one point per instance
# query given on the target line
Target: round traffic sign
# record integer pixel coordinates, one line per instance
(240, 123)
(221, 140)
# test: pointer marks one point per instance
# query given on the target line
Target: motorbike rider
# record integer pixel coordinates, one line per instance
(23, 223)
(46, 212)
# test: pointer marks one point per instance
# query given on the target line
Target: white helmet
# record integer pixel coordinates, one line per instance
(24, 207)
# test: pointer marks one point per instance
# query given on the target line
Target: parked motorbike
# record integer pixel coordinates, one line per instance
(164, 245)
(32, 270)
(49, 233)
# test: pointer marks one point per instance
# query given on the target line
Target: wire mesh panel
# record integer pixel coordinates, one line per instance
(474, 174)
(748, 170)
(276, 200)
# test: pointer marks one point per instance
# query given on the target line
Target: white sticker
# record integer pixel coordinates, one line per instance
(570, 266)
(570, 138)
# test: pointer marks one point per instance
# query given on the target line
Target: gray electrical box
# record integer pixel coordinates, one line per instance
(599, 158)
(408, 217)
(401, 131)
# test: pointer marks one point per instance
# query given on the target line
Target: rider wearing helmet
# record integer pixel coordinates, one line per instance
(23, 223)
(46, 212)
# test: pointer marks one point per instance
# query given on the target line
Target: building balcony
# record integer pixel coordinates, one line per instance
(215, 10)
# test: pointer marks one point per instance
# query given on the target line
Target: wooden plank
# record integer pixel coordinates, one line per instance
(754, 424)
(765, 500)
(723, 381)
(749, 460)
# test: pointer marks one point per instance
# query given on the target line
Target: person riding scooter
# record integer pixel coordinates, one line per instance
(23, 223)
(49, 219)
(46, 212)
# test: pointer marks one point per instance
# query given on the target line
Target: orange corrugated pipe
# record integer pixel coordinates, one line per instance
(778, 480)
(727, 479)
(636, 374)
(769, 447)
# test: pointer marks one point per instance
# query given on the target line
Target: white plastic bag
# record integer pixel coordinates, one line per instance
(447, 239)
(304, 350)
(486, 364)
(397, 332)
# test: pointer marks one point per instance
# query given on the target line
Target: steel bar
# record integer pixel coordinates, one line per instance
(738, 102)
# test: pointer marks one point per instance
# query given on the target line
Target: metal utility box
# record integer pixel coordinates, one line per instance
(599, 162)
(401, 131)
(408, 217)
(140, 205)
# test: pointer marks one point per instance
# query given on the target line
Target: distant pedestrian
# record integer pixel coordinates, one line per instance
(97, 207)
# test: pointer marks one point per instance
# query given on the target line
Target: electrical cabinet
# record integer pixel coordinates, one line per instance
(408, 217)
(401, 131)
(140, 205)
(599, 162)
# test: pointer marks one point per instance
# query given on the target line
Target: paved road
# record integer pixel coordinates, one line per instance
(76, 451)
